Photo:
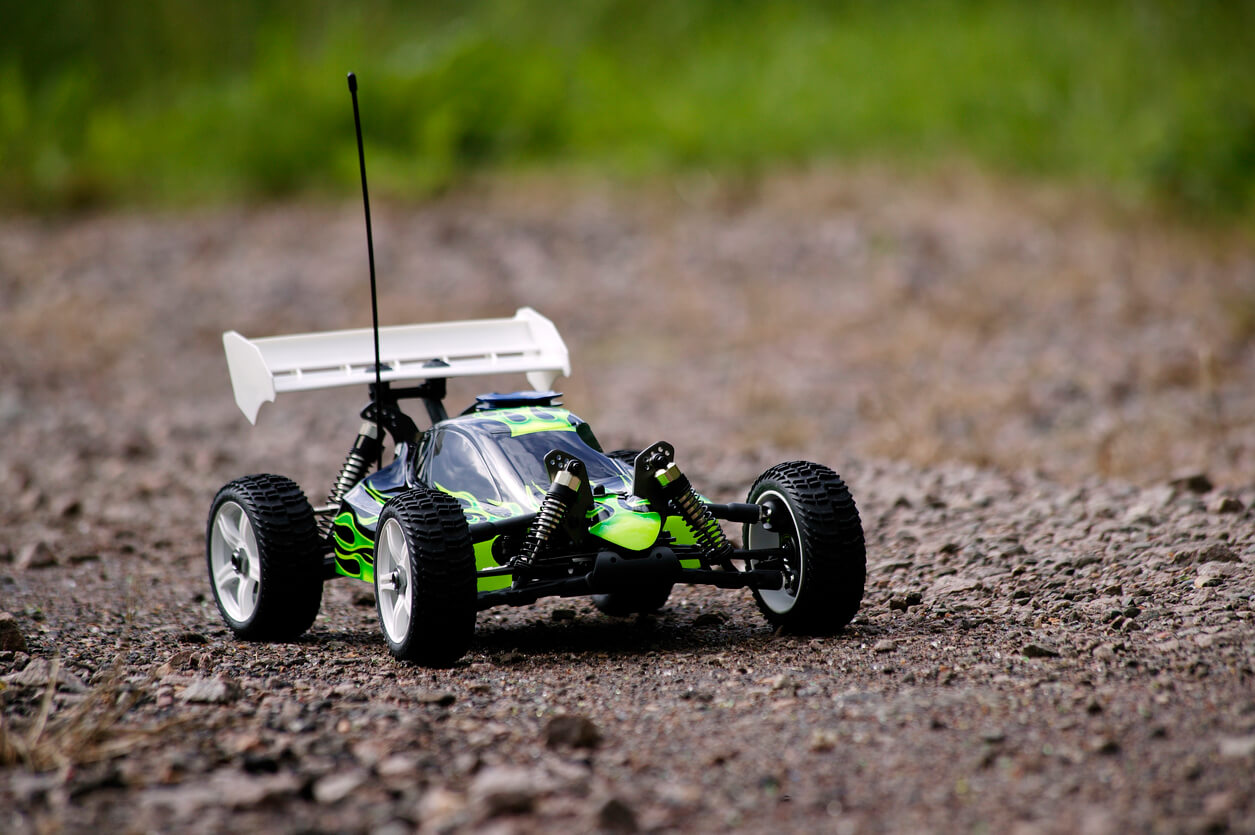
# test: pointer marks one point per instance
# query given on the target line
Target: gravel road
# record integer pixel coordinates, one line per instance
(1041, 404)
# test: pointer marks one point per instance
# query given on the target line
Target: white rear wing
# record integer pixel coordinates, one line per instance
(528, 343)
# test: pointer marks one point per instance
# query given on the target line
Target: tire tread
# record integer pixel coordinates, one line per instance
(443, 568)
(836, 570)
(290, 549)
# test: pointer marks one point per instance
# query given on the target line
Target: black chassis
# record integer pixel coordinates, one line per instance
(571, 564)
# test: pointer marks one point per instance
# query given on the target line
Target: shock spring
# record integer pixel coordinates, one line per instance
(679, 491)
(356, 463)
(553, 509)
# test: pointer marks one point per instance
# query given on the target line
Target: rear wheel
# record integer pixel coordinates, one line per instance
(809, 515)
(425, 578)
(265, 558)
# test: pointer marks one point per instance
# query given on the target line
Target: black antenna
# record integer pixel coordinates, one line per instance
(370, 252)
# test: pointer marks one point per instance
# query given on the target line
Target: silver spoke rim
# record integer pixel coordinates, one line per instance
(235, 562)
(392, 581)
(783, 599)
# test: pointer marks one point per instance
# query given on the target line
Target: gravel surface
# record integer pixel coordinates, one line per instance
(1042, 408)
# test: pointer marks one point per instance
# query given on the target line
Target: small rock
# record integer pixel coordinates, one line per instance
(37, 673)
(1035, 650)
(210, 691)
(885, 646)
(823, 740)
(1218, 805)
(954, 584)
(11, 637)
(36, 555)
(1212, 573)
(572, 731)
(439, 809)
(234, 789)
(898, 604)
(67, 507)
(501, 790)
(190, 637)
(1184, 557)
(335, 787)
(440, 698)
(616, 816)
(1194, 482)
(562, 614)
(364, 599)
(914, 598)
(1227, 504)
(184, 659)
(396, 826)
(1218, 552)
(780, 681)
(397, 765)
(1237, 747)
(710, 619)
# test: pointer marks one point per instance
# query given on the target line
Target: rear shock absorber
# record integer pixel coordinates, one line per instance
(678, 490)
(558, 500)
(357, 462)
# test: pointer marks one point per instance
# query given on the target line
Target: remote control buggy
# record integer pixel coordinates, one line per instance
(512, 500)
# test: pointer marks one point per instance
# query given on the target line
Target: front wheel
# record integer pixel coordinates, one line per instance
(265, 558)
(425, 578)
(811, 520)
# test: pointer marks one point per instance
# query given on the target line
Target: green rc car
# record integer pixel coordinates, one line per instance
(512, 500)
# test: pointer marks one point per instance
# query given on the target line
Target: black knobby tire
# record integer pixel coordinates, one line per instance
(265, 555)
(815, 518)
(621, 604)
(429, 543)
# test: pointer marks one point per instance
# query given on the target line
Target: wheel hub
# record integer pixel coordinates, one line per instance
(238, 562)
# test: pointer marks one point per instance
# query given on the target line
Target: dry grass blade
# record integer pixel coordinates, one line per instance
(90, 731)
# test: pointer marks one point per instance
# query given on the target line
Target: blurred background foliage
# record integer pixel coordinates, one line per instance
(166, 102)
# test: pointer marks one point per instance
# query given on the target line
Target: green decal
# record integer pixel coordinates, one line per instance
(348, 523)
(375, 494)
(679, 531)
(354, 548)
(484, 559)
(635, 531)
(527, 421)
(348, 565)
(477, 511)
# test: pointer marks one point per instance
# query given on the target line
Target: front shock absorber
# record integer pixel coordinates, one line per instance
(678, 490)
(558, 500)
(357, 462)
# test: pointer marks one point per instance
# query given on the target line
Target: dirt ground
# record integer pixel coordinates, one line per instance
(1042, 404)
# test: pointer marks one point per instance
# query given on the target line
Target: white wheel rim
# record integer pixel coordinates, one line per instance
(779, 600)
(234, 562)
(393, 581)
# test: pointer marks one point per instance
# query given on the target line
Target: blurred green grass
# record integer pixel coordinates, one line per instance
(162, 102)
